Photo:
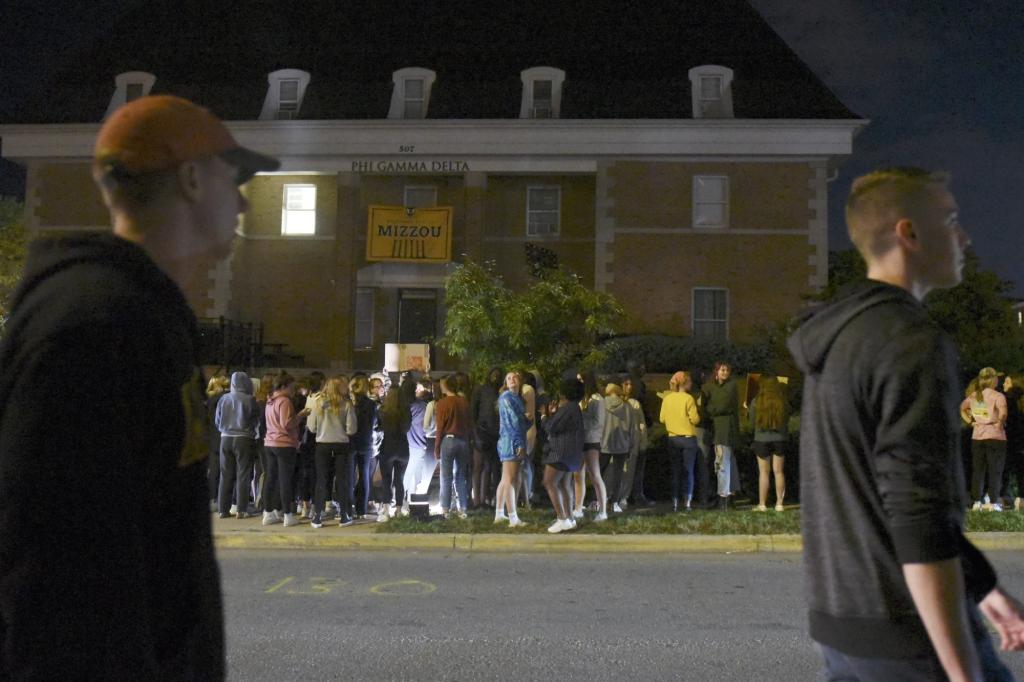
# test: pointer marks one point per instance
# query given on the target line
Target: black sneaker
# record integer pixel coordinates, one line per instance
(317, 520)
(345, 521)
(225, 515)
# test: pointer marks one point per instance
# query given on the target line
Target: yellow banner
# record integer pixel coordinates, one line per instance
(423, 235)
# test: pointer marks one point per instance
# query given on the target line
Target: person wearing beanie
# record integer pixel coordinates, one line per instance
(98, 595)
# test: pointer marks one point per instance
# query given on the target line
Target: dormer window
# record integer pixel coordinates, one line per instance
(711, 91)
(129, 86)
(285, 91)
(410, 98)
(542, 92)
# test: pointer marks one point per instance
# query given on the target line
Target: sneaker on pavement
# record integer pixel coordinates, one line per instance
(233, 510)
(382, 514)
(556, 527)
(569, 524)
(317, 521)
(616, 508)
(577, 513)
(515, 522)
(601, 516)
(291, 520)
(623, 503)
(214, 507)
(270, 518)
(345, 521)
(242, 515)
(500, 518)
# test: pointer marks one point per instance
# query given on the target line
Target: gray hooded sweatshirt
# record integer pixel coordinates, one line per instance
(237, 412)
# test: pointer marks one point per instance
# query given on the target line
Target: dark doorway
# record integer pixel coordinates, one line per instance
(417, 315)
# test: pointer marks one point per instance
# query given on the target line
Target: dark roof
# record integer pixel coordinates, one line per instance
(622, 59)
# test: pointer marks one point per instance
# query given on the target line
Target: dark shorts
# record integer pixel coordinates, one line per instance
(765, 450)
(486, 443)
(591, 446)
(560, 466)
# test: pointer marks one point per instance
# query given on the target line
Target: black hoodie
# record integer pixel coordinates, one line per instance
(881, 480)
(101, 404)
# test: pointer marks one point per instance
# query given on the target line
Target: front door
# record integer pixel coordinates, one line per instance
(417, 315)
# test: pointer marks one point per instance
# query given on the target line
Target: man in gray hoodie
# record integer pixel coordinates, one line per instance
(238, 421)
(894, 587)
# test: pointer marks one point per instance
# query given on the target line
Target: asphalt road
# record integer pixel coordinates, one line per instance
(446, 616)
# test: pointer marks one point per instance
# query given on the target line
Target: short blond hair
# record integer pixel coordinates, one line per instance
(881, 198)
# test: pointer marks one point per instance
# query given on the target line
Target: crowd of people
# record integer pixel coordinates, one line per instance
(351, 447)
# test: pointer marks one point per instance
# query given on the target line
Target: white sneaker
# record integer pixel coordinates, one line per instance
(601, 516)
(577, 513)
(568, 524)
(616, 508)
(270, 518)
(977, 506)
(995, 506)
(623, 504)
(500, 518)
(515, 521)
(290, 520)
(214, 507)
(556, 527)
(233, 510)
(382, 513)
(462, 514)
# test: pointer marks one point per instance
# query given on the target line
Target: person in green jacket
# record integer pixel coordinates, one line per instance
(723, 408)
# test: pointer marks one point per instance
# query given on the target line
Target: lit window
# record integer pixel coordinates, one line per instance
(710, 201)
(413, 98)
(543, 208)
(365, 301)
(711, 314)
(288, 99)
(298, 214)
(420, 197)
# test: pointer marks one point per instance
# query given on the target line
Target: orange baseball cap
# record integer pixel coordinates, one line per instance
(160, 131)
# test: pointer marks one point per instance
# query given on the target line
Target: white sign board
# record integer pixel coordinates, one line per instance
(402, 357)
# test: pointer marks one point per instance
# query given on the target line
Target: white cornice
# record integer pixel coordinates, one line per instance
(468, 139)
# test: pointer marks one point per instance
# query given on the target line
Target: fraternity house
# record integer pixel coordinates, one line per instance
(674, 154)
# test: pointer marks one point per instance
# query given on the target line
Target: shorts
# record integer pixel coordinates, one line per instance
(559, 466)
(486, 443)
(764, 450)
(591, 446)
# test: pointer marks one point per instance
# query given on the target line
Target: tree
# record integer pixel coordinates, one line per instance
(976, 313)
(13, 246)
(551, 325)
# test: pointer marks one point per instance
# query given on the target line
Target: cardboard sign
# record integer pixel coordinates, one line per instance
(406, 357)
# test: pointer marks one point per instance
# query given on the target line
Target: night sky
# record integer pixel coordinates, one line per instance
(942, 82)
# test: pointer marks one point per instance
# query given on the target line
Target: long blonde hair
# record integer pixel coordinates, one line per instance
(332, 397)
(987, 378)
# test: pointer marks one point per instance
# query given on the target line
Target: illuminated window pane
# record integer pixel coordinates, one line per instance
(298, 212)
(710, 201)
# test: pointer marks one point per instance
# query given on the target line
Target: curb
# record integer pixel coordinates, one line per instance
(547, 544)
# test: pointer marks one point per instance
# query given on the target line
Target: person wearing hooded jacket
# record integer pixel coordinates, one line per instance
(620, 434)
(893, 586)
(237, 419)
(282, 443)
(723, 407)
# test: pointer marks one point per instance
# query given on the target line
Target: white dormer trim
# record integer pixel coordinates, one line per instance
(705, 106)
(285, 90)
(529, 109)
(140, 82)
(398, 98)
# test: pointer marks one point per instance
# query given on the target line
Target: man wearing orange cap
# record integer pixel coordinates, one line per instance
(101, 404)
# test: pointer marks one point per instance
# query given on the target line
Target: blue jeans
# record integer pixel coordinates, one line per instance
(682, 452)
(362, 463)
(728, 471)
(454, 455)
(840, 667)
(419, 471)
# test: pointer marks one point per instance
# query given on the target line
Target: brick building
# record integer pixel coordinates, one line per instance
(675, 154)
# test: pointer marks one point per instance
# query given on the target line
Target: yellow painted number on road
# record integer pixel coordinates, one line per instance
(403, 588)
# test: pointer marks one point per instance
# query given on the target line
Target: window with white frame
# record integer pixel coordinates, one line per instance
(710, 201)
(288, 98)
(710, 317)
(711, 91)
(298, 211)
(410, 94)
(134, 91)
(420, 196)
(365, 302)
(129, 86)
(542, 92)
(543, 211)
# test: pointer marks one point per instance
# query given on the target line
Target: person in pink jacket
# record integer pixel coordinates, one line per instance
(281, 443)
(984, 409)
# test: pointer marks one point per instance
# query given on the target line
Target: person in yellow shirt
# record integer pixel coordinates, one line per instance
(679, 415)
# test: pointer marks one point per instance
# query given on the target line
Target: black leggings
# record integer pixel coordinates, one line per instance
(280, 481)
(392, 471)
(987, 456)
(333, 459)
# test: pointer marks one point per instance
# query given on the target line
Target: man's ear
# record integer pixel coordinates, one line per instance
(906, 234)
(189, 178)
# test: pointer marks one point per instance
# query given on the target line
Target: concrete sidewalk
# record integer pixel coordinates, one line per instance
(251, 534)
